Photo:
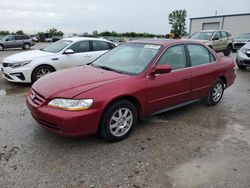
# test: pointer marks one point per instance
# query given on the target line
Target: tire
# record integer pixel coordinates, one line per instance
(215, 93)
(234, 50)
(228, 50)
(1, 47)
(242, 67)
(26, 46)
(118, 121)
(40, 72)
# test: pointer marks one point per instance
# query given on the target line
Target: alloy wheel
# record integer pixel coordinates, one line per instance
(42, 72)
(217, 92)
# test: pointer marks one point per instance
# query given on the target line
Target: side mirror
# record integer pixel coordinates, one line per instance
(161, 69)
(69, 51)
(7, 39)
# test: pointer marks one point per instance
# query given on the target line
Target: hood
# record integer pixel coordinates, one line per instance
(72, 82)
(241, 40)
(25, 56)
(247, 45)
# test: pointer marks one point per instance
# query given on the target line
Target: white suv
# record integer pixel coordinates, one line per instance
(29, 66)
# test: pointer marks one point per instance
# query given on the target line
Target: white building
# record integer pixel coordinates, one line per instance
(234, 23)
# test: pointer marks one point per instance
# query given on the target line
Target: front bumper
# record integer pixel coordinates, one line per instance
(22, 74)
(242, 59)
(66, 123)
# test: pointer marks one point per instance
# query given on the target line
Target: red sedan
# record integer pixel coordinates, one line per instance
(135, 79)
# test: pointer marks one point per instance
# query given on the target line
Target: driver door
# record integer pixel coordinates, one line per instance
(80, 56)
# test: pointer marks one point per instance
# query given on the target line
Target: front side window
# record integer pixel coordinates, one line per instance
(10, 38)
(202, 35)
(100, 46)
(80, 47)
(199, 55)
(217, 36)
(130, 58)
(57, 46)
(174, 56)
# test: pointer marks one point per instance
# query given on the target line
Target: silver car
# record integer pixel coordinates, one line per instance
(241, 41)
(16, 41)
(243, 56)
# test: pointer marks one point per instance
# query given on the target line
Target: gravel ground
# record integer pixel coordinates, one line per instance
(194, 146)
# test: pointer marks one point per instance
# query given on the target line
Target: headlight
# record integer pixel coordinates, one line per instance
(71, 105)
(243, 50)
(19, 64)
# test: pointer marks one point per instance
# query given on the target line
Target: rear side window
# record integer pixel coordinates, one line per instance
(223, 34)
(80, 47)
(174, 56)
(229, 34)
(19, 37)
(100, 45)
(199, 55)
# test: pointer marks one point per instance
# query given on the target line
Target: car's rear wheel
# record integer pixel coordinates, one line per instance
(215, 93)
(26, 46)
(1, 47)
(41, 71)
(118, 121)
(228, 50)
(234, 50)
(242, 67)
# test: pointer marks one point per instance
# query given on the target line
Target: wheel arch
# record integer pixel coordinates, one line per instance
(129, 98)
(224, 79)
(45, 64)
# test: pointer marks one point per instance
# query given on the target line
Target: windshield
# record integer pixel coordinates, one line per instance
(202, 35)
(244, 36)
(57, 46)
(128, 58)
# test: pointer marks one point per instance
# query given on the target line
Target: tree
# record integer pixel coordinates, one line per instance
(3, 33)
(54, 32)
(20, 32)
(95, 33)
(177, 20)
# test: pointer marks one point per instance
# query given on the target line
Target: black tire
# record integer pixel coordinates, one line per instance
(242, 67)
(213, 99)
(36, 72)
(26, 46)
(228, 50)
(1, 47)
(107, 132)
(234, 50)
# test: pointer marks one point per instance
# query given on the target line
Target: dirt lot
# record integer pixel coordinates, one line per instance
(194, 146)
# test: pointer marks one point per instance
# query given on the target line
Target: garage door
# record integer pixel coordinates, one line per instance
(211, 25)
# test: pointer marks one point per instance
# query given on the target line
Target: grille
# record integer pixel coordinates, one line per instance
(7, 76)
(246, 62)
(5, 64)
(36, 97)
(239, 44)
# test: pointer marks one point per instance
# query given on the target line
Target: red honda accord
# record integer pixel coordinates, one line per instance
(135, 79)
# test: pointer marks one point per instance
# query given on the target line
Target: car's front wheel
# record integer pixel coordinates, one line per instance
(41, 71)
(228, 50)
(1, 47)
(215, 93)
(118, 121)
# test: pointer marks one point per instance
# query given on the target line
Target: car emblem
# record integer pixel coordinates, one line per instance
(32, 96)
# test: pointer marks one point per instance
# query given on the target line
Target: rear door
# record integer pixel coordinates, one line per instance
(203, 68)
(98, 48)
(19, 40)
(165, 90)
(225, 39)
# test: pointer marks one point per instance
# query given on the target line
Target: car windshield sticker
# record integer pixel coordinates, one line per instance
(156, 47)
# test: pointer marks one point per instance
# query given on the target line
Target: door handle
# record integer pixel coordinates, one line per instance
(186, 79)
(87, 56)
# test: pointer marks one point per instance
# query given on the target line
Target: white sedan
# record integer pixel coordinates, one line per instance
(29, 66)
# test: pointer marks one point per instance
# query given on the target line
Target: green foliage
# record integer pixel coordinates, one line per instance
(3, 33)
(127, 34)
(54, 32)
(19, 32)
(177, 19)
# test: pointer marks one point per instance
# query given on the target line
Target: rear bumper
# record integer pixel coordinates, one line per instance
(66, 123)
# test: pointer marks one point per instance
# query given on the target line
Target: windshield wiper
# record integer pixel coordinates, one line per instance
(108, 68)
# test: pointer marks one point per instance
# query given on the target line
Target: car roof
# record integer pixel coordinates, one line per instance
(76, 39)
(164, 42)
(212, 30)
